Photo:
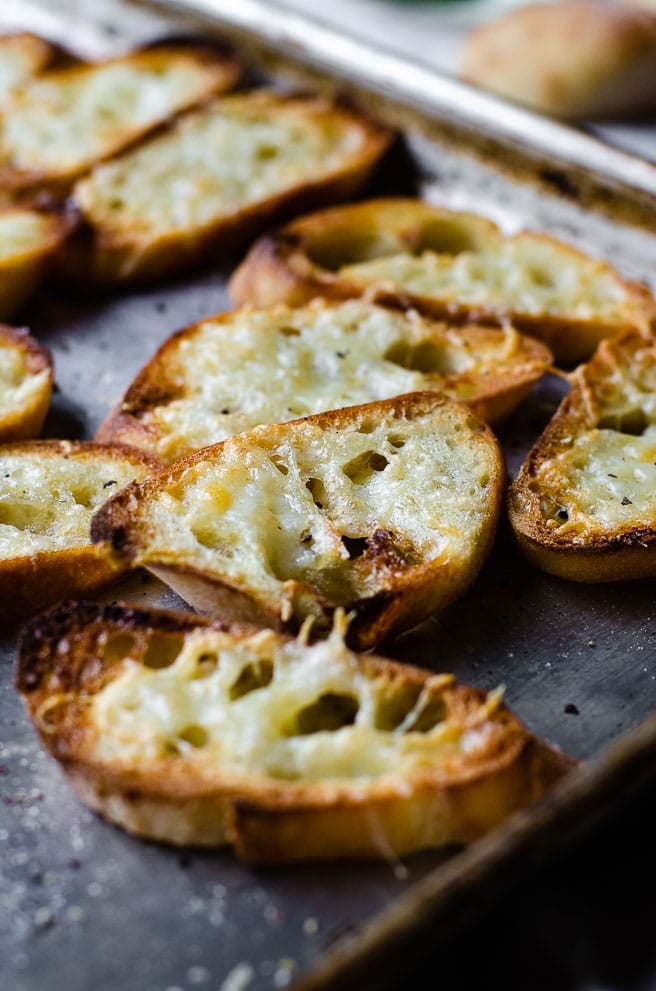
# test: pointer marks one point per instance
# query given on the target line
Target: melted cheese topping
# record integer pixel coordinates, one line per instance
(19, 387)
(265, 512)
(241, 151)
(605, 480)
(272, 366)
(22, 232)
(262, 706)
(65, 120)
(47, 500)
(601, 479)
(521, 274)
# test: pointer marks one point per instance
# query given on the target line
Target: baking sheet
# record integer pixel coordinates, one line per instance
(85, 906)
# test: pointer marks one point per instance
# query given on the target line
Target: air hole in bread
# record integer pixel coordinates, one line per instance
(206, 665)
(542, 277)
(162, 650)
(356, 546)
(426, 357)
(259, 674)
(348, 246)
(267, 152)
(330, 711)
(118, 647)
(360, 469)
(445, 236)
(289, 331)
(279, 463)
(396, 442)
(24, 516)
(192, 735)
(630, 421)
(205, 533)
(317, 490)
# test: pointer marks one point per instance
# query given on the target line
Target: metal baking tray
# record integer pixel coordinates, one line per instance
(83, 905)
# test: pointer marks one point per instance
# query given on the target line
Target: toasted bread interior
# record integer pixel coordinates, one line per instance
(233, 372)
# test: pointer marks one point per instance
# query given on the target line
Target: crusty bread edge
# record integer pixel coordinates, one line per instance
(26, 422)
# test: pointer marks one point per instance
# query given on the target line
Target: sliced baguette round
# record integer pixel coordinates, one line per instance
(22, 56)
(234, 371)
(387, 509)
(26, 379)
(66, 120)
(215, 180)
(574, 59)
(49, 490)
(184, 731)
(583, 505)
(29, 242)
(451, 265)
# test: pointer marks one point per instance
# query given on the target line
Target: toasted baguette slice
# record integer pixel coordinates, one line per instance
(584, 503)
(22, 56)
(49, 490)
(182, 730)
(447, 264)
(65, 121)
(387, 509)
(234, 371)
(26, 378)
(577, 60)
(215, 180)
(29, 240)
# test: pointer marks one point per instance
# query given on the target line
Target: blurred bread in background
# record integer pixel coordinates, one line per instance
(575, 59)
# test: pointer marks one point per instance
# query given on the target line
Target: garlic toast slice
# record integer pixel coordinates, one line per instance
(22, 56)
(49, 490)
(237, 370)
(387, 509)
(66, 120)
(26, 379)
(215, 180)
(583, 505)
(184, 731)
(29, 242)
(448, 264)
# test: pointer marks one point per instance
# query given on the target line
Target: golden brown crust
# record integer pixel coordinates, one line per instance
(579, 59)
(217, 71)
(488, 368)
(302, 260)
(403, 584)
(580, 505)
(31, 581)
(70, 654)
(25, 419)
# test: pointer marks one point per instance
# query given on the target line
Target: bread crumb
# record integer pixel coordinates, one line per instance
(239, 977)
